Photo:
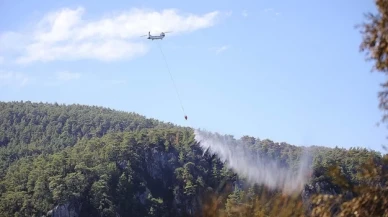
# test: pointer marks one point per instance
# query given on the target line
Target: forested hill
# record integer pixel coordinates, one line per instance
(94, 161)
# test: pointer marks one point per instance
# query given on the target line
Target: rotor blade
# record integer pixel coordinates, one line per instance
(143, 35)
(168, 32)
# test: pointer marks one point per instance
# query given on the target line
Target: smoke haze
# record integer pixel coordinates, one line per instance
(253, 167)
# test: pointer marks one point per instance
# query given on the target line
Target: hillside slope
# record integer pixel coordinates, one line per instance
(96, 161)
(33, 128)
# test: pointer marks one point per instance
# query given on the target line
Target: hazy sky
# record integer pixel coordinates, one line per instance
(284, 70)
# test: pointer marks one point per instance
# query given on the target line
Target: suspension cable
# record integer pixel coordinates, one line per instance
(172, 79)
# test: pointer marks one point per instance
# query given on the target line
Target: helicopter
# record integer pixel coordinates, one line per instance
(155, 37)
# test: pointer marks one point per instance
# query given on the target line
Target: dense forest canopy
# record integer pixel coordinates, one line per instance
(78, 160)
(102, 162)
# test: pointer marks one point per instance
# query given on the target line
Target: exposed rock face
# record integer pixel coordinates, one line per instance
(143, 196)
(70, 209)
(157, 163)
(160, 166)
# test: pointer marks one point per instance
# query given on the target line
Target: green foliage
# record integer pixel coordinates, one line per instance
(115, 163)
(29, 129)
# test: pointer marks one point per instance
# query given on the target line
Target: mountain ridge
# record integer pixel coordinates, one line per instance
(99, 161)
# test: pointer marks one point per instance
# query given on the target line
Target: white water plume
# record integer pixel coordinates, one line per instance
(252, 166)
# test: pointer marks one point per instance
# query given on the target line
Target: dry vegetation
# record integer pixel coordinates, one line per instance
(370, 199)
(54, 154)
(366, 199)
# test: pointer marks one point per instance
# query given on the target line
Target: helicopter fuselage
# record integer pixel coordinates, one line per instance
(156, 37)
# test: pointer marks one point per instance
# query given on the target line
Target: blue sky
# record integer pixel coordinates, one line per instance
(287, 71)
